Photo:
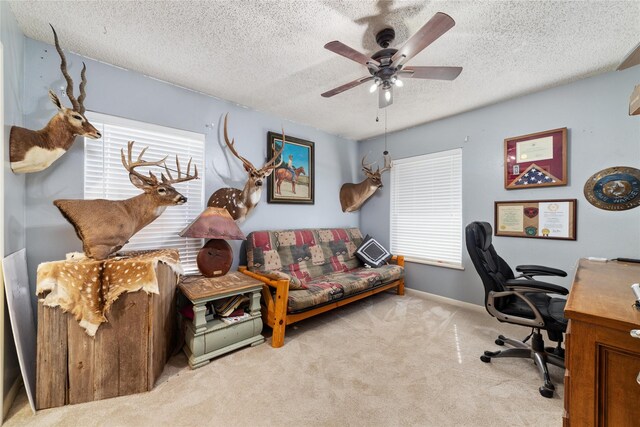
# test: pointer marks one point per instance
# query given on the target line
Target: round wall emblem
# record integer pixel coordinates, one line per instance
(614, 189)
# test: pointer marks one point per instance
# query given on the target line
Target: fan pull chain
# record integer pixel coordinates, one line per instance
(385, 133)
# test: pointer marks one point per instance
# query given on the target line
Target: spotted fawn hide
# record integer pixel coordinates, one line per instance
(87, 288)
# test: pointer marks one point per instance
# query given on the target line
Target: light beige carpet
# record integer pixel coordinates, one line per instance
(383, 361)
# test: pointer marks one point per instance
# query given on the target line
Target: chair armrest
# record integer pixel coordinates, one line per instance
(540, 270)
(535, 286)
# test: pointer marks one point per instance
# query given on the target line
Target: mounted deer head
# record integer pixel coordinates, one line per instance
(240, 202)
(33, 151)
(353, 196)
(104, 226)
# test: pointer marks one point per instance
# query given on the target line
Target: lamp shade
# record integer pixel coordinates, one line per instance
(213, 223)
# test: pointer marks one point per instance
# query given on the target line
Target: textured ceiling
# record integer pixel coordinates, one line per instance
(269, 55)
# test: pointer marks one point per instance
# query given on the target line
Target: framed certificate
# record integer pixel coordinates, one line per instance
(536, 160)
(542, 219)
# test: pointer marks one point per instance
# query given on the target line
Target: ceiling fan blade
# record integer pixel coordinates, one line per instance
(633, 58)
(436, 73)
(430, 32)
(344, 50)
(346, 86)
(385, 97)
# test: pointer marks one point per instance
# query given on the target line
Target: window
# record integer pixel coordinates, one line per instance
(426, 208)
(106, 178)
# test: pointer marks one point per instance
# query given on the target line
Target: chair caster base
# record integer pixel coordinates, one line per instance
(546, 392)
(499, 342)
(485, 359)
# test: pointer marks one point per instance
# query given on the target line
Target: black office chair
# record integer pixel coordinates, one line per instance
(521, 301)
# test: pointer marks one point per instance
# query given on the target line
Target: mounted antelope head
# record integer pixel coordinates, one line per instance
(240, 202)
(353, 196)
(33, 151)
(104, 226)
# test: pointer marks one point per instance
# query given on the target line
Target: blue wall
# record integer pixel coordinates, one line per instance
(112, 90)
(14, 206)
(601, 134)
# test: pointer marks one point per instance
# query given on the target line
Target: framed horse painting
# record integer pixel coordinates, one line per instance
(292, 181)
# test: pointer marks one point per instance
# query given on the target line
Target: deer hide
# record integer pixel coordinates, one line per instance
(29, 152)
(87, 288)
(102, 225)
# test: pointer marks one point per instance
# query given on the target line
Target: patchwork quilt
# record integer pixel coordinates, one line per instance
(321, 264)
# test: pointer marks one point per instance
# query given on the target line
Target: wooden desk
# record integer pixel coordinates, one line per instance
(602, 359)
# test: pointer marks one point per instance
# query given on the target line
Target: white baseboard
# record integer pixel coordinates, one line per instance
(445, 300)
(11, 396)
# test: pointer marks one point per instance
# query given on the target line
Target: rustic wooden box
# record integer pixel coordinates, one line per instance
(126, 356)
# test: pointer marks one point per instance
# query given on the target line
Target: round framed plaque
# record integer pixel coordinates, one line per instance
(614, 189)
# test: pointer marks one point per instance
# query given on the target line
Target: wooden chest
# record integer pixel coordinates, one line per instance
(126, 356)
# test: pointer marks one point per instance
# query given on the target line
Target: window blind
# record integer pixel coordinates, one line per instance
(106, 178)
(426, 208)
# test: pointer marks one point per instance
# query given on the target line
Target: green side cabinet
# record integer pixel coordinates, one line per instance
(206, 335)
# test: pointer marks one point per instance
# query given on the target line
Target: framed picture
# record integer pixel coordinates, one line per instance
(538, 219)
(536, 160)
(292, 181)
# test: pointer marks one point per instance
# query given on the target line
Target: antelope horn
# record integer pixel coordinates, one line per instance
(83, 84)
(63, 68)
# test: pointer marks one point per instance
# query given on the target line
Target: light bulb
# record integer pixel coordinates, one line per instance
(373, 88)
(399, 83)
(387, 95)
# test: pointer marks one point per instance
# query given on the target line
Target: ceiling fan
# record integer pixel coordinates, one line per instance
(386, 66)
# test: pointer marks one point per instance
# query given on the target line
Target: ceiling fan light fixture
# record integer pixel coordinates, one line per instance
(373, 87)
(399, 83)
(387, 95)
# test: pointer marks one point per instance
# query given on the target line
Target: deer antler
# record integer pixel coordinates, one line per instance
(246, 162)
(269, 164)
(131, 165)
(367, 167)
(387, 163)
(180, 178)
(63, 68)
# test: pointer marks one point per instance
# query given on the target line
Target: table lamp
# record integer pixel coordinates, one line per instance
(216, 256)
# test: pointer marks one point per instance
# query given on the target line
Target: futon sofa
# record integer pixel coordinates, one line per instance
(310, 271)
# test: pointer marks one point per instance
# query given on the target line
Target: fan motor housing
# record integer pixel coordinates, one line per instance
(383, 53)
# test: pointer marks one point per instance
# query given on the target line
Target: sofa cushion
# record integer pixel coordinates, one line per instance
(335, 286)
(315, 294)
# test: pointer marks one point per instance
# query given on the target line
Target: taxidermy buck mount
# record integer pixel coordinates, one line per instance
(33, 151)
(240, 202)
(105, 226)
(353, 196)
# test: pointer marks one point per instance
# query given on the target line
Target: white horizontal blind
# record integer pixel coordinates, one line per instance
(426, 208)
(106, 178)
